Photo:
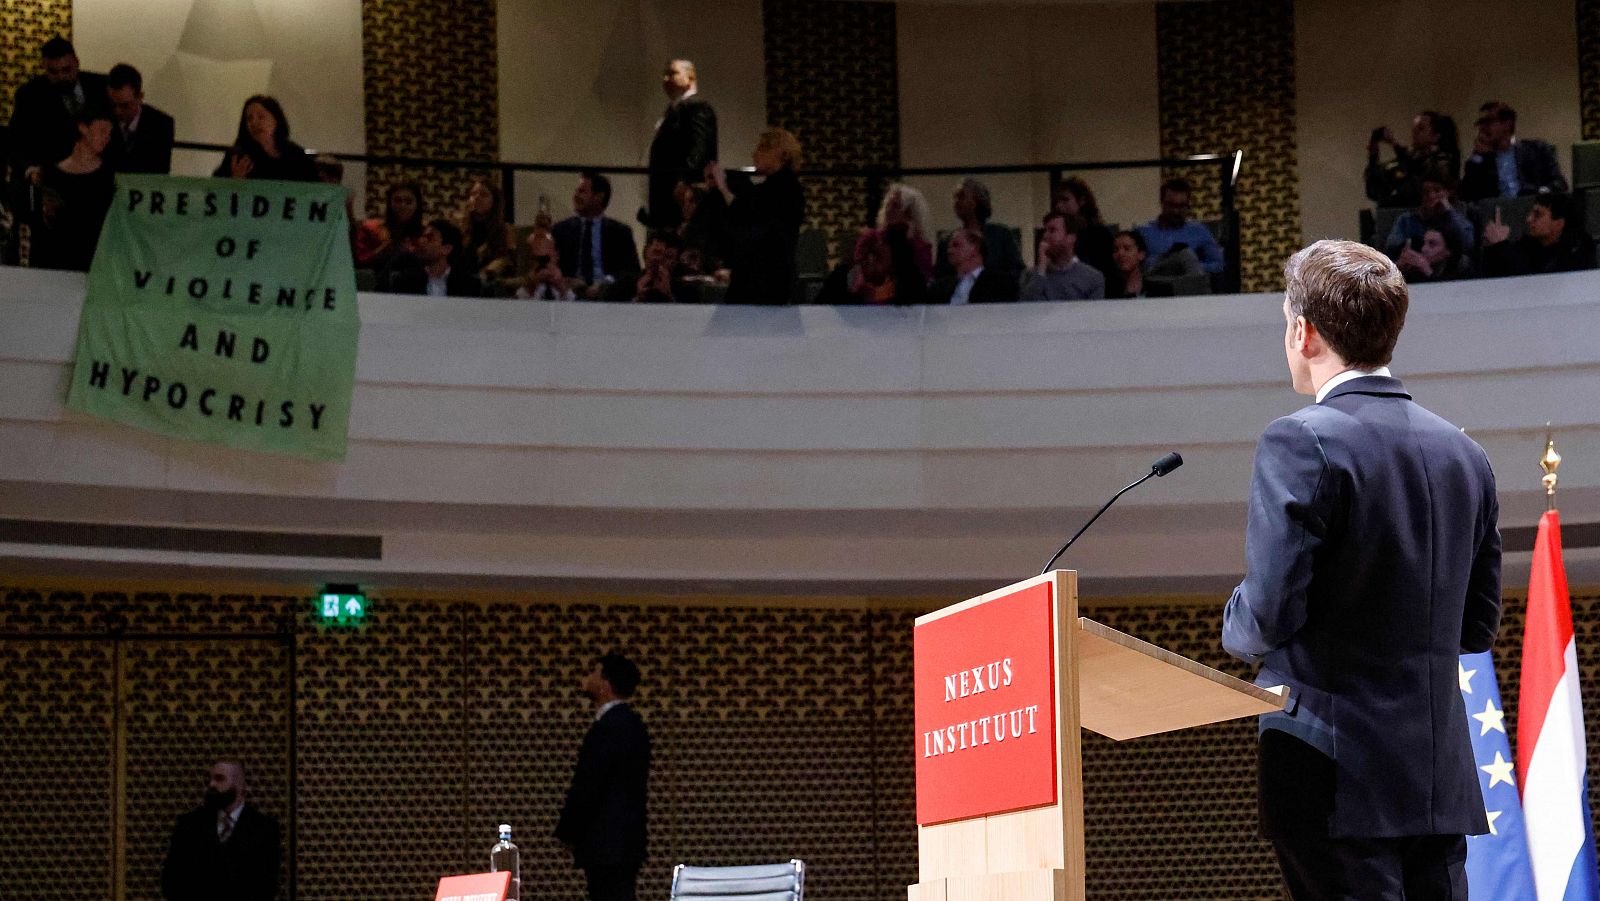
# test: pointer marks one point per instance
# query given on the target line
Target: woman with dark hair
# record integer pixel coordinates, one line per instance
(1435, 152)
(764, 212)
(1437, 256)
(1128, 253)
(490, 241)
(76, 196)
(1073, 196)
(379, 242)
(262, 148)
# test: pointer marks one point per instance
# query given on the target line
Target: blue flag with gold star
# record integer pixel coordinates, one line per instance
(1497, 863)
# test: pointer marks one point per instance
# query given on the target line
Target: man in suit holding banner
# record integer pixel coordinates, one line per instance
(1373, 561)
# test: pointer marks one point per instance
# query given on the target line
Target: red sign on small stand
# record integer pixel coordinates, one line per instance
(474, 887)
(985, 708)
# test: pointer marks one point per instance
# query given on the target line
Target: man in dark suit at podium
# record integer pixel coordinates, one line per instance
(1373, 561)
(225, 848)
(603, 819)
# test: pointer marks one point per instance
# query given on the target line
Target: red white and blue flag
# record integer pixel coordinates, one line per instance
(1551, 754)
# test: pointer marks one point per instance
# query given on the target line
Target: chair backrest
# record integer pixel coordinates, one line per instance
(1383, 219)
(811, 253)
(764, 882)
(1586, 164)
(1513, 213)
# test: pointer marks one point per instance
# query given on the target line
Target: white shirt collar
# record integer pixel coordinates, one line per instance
(1348, 375)
(606, 708)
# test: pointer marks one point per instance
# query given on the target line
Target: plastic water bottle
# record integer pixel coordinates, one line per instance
(505, 858)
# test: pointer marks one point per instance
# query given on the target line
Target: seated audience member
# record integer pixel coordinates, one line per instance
(1174, 232)
(1128, 254)
(1435, 151)
(1073, 197)
(143, 136)
(1435, 212)
(762, 220)
(699, 233)
(972, 282)
(597, 252)
(262, 148)
(1435, 257)
(545, 281)
(883, 272)
(381, 243)
(1552, 242)
(1504, 165)
(904, 207)
(47, 109)
(1060, 275)
(973, 206)
(659, 283)
(436, 271)
(491, 242)
(77, 194)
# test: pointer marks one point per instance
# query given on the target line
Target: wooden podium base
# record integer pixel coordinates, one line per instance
(1027, 885)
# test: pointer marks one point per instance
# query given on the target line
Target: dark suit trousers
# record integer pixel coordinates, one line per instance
(612, 883)
(1296, 800)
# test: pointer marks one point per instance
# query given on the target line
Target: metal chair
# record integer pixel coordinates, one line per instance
(763, 882)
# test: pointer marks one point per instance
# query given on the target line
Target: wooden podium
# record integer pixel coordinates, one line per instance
(1000, 808)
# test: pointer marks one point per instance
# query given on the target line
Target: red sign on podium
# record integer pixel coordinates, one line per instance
(474, 887)
(985, 708)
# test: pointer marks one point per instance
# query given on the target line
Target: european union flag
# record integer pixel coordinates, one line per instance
(1497, 863)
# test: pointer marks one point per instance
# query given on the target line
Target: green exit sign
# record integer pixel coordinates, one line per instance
(342, 604)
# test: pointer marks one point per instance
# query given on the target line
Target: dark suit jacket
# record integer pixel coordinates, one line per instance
(991, 286)
(244, 868)
(461, 282)
(763, 228)
(1537, 168)
(684, 142)
(151, 147)
(1373, 562)
(619, 255)
(1526, 256)
(42, 131)
(603, 819)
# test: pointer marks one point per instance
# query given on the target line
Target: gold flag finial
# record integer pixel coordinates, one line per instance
(1550, 462)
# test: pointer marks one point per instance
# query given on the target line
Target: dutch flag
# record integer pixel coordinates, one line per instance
(1550, 743)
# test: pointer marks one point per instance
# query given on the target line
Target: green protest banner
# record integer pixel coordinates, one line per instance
(222, 310)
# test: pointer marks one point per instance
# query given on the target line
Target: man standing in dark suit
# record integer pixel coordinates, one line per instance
(603, 819)
(684, 142)
(142, 140)
(44, 117)
(598, 253)
(1373, 562)
(1504, 165)
(225, 848)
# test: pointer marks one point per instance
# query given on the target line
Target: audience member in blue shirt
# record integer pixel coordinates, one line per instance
(1434, 213)
(1173, 228)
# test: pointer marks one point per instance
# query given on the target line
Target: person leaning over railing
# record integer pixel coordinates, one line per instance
(763, 217)
(262, 149)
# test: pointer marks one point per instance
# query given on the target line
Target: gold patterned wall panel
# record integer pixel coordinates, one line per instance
(779, 731)
(26, 25)
(832, 80)
(1588, 16)
(432, 90)
(1226, 80)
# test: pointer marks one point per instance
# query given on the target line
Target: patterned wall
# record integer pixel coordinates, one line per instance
(27, 24)
(779, 731)
(432, 90)
(832, 80)
(1588, 15)
(1225, 79)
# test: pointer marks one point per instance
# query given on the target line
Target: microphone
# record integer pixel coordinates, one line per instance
(1159, 468)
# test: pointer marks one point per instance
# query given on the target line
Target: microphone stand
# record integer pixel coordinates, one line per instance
(1135, 484)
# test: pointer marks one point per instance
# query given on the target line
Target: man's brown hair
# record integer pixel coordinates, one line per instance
(1353, 294)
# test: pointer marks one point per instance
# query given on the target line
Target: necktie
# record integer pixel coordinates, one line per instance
(224, 826)
(586, 252)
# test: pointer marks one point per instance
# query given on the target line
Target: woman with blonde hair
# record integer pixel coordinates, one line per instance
(764, 212)
(905, 208)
